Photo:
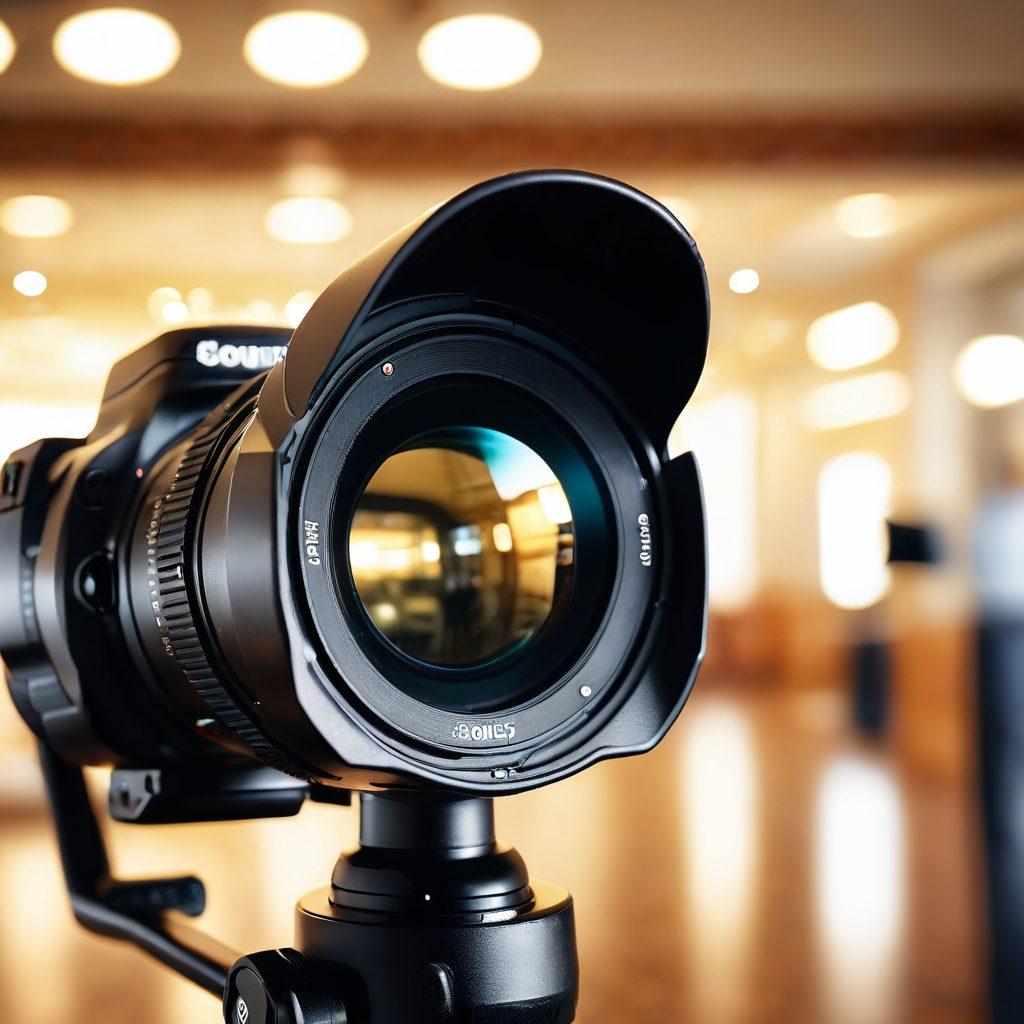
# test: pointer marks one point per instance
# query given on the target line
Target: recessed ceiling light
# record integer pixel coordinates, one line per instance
(308, 220)
(297, 307)
(685, 211)
(30, 283)
(480, 51)
(989, 372)
(174, 312)
(869, 215)
(35, 216)
(306, 49)
(117, 46)
(7, 47)
(854, 336)
(744, 281)
(159, 298)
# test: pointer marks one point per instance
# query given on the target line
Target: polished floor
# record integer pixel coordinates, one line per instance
(761, 866)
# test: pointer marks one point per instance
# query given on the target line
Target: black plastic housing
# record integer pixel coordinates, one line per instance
(67, 631)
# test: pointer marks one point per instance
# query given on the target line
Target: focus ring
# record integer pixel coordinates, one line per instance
(174, 528)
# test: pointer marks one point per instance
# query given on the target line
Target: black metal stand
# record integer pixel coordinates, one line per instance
(428, 919)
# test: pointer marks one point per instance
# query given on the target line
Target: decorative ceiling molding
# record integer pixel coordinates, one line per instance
(990, 135)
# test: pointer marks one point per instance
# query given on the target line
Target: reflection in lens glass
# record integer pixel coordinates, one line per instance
(461, 546)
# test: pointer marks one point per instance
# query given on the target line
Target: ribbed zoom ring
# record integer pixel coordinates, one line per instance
(173, 531)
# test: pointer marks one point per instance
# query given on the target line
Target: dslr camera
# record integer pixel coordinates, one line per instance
(429, 549)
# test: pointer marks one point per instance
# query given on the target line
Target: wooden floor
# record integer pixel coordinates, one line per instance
(761, 866)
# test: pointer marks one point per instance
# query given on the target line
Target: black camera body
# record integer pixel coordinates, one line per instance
(73, 658)
(174, 588)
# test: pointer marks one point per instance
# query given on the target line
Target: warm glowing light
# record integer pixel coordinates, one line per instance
(35, 216)
(502, 535)
(159, 298)
(722, 432)
(720, 831)
(854, 492)
(430, 551)
(744, 281)
(308, 220)
(395, 559)
(117, 46)
(23, 423)
(384, 614)
(306, 49)
(554, 504)
(174, 312)
(860, 880)
(685, 211)
(871, 396)
(363, 554)
(990, 370)
(297, 307)
(870, 215)
(854, 336)
(480, 51)
(7, 47)
(30, 283)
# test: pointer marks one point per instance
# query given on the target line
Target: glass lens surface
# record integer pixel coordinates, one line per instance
(461, 546)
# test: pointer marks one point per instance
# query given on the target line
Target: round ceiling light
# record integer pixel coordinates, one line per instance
(306, 49)
(989, 372)
(35, 216)
(117, 46)
(480, 51)
(7, 47)
(30, 283)
(308, 220)
(744, 281)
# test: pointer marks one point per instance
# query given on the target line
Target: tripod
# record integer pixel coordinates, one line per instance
(429, 919)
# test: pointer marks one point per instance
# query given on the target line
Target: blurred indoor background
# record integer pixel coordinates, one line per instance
(808, 845)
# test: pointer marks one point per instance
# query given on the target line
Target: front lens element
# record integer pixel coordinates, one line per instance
(461, 546)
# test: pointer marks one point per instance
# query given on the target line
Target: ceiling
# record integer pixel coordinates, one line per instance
(602, 59)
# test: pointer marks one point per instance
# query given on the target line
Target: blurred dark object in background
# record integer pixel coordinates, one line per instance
(872, 678)
(916, 543)
(999, 565)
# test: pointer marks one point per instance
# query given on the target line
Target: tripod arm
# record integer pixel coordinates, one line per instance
(282, 986)
(149, 913)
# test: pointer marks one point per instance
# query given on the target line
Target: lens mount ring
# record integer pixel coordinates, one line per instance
(482, 353)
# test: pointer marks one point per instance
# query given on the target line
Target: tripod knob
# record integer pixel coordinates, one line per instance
(281, 986)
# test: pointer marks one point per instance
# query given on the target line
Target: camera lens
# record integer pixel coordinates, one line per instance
(461, 546)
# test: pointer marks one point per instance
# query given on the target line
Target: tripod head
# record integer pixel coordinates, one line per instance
(428, 919)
